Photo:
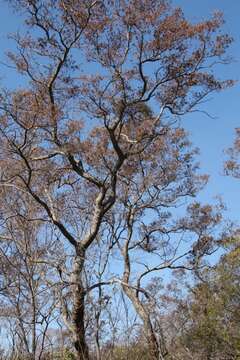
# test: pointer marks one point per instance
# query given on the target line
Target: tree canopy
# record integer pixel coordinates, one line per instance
(98, 178)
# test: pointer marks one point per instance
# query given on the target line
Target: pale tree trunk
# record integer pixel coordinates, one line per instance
(155, 341)
(155, 349)
(98, 352)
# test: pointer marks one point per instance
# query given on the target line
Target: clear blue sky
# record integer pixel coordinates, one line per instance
(212, 136)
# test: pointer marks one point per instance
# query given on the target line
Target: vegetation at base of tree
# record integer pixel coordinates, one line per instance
(213, 311)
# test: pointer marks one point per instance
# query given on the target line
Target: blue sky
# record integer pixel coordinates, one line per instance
(212, 136)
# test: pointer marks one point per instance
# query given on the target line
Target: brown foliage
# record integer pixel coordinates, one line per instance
(94, 133)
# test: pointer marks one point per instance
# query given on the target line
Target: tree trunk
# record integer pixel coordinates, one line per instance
(78, 311)
(154, 347)
(34, 342)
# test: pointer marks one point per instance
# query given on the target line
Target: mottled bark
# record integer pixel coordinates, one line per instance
(78, 326)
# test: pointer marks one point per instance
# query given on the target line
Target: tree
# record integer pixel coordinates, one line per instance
(232, 164)
(105, 83)
(211, 312)
(27, 301)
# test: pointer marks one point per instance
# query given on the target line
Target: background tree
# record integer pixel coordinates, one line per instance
(28, 304)
(232, 164)
(207, 320)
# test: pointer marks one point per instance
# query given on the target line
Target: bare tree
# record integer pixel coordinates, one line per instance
(104, 82)
(150, 233)
(27, 301)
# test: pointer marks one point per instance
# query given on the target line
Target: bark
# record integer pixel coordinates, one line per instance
(78, 310)
(155, 347)
(34, 340)
(98, 351)
(155, 350)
